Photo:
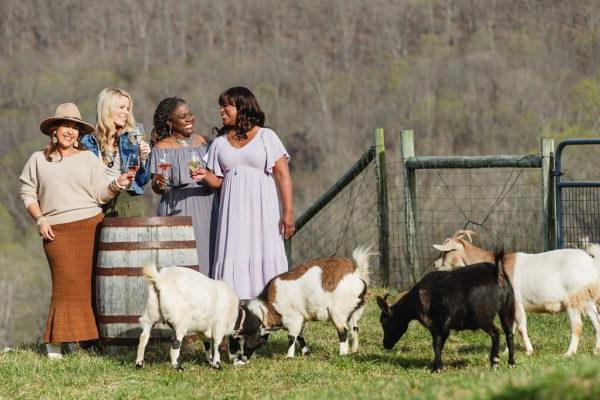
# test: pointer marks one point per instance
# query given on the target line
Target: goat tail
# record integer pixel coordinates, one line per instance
(361, 256)
(149, 271)
(499, 261)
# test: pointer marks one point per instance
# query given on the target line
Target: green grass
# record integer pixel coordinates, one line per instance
(372, 373)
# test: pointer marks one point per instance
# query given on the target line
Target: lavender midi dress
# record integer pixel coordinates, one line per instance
(188, 198)
(249, 248)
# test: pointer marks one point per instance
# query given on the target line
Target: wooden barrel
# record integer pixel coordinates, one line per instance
(126, 245)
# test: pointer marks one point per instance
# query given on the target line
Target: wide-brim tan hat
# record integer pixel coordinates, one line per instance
(66, 112)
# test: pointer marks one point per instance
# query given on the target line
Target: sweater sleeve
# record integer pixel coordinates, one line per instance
(29, 182)
(99, 181)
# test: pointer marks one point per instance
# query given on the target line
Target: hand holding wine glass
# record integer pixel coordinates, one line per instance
(139, 135)
(197, 165)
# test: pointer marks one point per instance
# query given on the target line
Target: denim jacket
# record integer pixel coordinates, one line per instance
(125, 149)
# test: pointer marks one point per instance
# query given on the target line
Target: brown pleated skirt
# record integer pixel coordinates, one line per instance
(71, 258)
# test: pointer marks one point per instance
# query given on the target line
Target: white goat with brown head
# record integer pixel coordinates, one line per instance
(322, 289)
(554, 281)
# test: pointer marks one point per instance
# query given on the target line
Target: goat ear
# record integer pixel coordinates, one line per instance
(383, 305)
(449, 244)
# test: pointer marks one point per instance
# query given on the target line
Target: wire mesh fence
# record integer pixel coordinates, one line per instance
(503, 204)
(507, 201)
(580, 216)
(348, 221)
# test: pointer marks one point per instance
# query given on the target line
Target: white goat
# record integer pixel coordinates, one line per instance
(554, 281)
(188, 302)
(323, 289)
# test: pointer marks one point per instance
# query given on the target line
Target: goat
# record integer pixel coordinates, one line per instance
(468, 298)
(188, 301)
(322, 289)
(550, 282)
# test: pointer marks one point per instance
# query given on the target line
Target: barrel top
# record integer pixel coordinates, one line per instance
(147, 221)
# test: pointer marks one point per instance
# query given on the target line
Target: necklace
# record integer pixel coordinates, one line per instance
(185, 142)
(110, 157)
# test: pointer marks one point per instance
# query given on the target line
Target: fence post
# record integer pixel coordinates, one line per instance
(548, 193)
(288, 252)
(410, 209)
(382, 205)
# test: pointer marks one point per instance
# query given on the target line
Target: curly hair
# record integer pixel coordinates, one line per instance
(249, 113)
(162, 114)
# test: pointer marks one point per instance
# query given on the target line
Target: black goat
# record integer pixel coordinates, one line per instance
(466, 298)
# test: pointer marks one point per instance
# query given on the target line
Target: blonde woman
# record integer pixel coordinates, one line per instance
(62, 188)
(114, 143)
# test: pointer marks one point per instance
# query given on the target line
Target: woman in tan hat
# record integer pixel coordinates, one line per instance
(62, 188)
(114, 142)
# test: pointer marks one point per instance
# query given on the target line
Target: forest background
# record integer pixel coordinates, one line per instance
(468, 76)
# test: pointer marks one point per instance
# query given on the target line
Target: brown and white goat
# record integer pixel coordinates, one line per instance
(322, 289)
(550, 282)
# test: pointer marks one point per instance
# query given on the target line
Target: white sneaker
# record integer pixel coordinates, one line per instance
(54, 351)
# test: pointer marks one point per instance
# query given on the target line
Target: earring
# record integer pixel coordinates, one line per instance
(76, 144)
(54, 139)
(170, 129)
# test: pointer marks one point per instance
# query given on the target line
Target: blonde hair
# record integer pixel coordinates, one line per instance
(106, 131)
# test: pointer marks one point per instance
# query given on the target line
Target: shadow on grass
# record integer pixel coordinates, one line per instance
(407, 362)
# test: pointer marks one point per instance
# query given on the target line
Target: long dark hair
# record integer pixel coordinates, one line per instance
(249, 113)
(163, 112)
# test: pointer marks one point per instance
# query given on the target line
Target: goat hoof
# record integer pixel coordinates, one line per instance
(511, 365)
(494, 367)
(305, 352)
(216, 365)
(178, 367)
(239, 363)
(139, 365)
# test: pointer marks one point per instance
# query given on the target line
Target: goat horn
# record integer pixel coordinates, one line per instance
(462, 233)
(385, 297)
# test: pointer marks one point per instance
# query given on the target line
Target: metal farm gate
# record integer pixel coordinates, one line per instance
(577, 201)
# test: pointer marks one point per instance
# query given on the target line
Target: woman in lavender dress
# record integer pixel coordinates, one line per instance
(250, 165)
(175, 146)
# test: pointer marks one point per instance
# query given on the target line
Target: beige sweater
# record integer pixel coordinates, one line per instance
(67, 190)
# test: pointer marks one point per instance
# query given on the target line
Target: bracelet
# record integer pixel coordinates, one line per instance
(40, 220)
(115, 187)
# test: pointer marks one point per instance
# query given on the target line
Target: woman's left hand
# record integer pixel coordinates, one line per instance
(144, 149)
(286, 225)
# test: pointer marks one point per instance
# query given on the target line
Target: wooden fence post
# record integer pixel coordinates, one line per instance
(288, 252)
(382, 205)
(548, 193)
(410, 209)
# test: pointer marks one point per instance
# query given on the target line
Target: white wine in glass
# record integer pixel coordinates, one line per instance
(139, 133)
(194, 161)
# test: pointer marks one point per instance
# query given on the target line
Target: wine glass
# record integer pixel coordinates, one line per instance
(164, 166)
(195, 161)
(139, 133)
(132, 163)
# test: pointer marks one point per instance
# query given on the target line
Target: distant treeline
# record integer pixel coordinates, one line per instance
(468, 76)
